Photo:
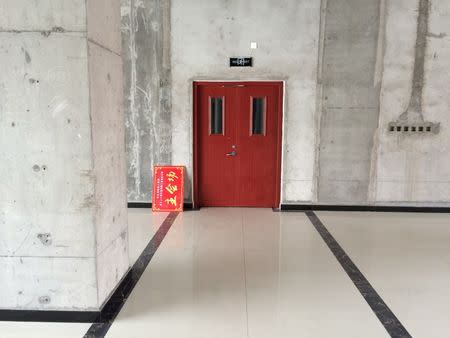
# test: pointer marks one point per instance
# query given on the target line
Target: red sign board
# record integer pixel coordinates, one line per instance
(168, 183)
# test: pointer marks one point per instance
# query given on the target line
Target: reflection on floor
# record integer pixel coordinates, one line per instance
(257, 273)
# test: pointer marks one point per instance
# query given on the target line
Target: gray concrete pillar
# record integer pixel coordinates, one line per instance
(63, 217)
(147, 86)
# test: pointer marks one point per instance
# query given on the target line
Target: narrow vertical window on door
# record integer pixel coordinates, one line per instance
(258, 116)
(216, 109)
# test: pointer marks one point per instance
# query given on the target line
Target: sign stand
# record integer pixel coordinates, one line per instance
(168, 188)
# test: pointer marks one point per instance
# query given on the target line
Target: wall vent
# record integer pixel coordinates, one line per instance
(414, 128)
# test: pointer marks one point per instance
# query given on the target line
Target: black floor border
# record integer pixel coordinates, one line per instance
(102, 324)
(56, 316)
(376, 303)
(139, 205)
(188, 206)
(374, 208)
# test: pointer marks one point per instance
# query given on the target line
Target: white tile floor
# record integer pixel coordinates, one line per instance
(42, 330)
(255, 273)
(406, 257)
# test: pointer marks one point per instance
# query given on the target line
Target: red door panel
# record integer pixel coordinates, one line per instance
(217, 172)
(237, 144)
(257, 141)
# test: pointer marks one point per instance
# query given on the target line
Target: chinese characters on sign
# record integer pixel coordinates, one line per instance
(168, 182)
(241, 62)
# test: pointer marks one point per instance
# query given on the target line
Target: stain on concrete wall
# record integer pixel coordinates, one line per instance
(412, 120)
(414, 169)
(350, 100)
(414, 111)
(147, 80)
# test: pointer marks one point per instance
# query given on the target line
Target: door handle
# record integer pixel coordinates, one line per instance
(233, 153)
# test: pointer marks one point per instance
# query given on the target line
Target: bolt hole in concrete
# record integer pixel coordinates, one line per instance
(45, 239)
(44, 300)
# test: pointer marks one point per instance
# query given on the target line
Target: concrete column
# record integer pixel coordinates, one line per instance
(147, 86)
(63, 217)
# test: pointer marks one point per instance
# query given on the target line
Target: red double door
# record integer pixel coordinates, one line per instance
(237, 144)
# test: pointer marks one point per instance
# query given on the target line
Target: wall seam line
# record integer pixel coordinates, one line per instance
(92, 148)
(319, 98)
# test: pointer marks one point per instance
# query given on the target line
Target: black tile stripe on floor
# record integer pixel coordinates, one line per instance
(112, 308)
(379, 307)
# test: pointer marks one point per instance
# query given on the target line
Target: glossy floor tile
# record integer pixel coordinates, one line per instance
(142, 225)
(42, 330)
(406, 257)
(245, 273)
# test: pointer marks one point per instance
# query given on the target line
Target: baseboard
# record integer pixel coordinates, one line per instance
(49, 316)
(373, 208)
(139, 205)
(330, 207)
(147, 205)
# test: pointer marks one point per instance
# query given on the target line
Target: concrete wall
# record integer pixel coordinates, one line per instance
(350, 100)
(348, 68)
(413, 168)
(146, 50)
(206, 33)
(54, 198)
